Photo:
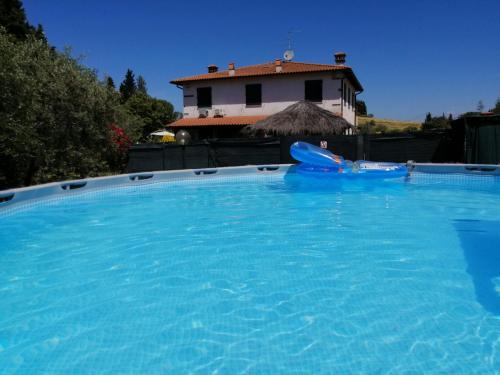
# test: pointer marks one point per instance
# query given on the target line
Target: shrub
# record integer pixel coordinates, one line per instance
(54, 116)
(367, 127)
(435, 123)
(154, 113)
(380, 128)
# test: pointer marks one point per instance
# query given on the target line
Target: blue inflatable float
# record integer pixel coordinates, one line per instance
(320, 162)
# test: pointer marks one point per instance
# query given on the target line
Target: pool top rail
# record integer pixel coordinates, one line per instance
(14, 196)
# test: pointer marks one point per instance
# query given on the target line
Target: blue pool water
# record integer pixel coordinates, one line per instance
(255, 275)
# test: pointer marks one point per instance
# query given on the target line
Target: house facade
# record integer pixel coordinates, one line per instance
(220, 103)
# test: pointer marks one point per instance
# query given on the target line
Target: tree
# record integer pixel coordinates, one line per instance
(154, 113)
(55, 116)
(450, 118)
(380, 128)
(110, 84)
(40, 33)
(367, 127)
(428, 117)
(496, 108)
(13, 19)
(435, 123)
(128, 87)
(480, 106)
(411, 129)
(361, 108)
(141, 85)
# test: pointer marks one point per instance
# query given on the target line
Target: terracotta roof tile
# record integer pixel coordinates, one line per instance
(216, 121)
(288, 67)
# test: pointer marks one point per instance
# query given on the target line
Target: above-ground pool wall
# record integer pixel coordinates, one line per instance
(467, 169)
(26, 195)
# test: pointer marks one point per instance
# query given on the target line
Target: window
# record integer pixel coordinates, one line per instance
(253, 94)
(344, 93)
(349, 96)
(314, 91)
(204, 97)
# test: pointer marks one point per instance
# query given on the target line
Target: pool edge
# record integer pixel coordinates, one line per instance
(470, 169)
(11, 197)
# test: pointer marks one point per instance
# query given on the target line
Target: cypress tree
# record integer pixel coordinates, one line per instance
(361, 108)
(40, 34)
(13, 18)
(428, 117)
(141, 85)
(128, 87)
(480, 106)
(110, 84)
(496, 108)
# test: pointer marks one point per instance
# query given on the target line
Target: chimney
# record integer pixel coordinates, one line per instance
(213, 68)
(278, 66)
(340, 58)
(231, 69)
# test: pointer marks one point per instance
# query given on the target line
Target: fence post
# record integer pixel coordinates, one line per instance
(163, 157)
(366, 146)
(183, 157)
(282, 150)
(360, 147)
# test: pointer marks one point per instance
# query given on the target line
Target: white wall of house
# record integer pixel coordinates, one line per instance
(349, 103)
(278, 92)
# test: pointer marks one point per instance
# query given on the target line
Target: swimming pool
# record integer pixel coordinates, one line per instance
(254, 272)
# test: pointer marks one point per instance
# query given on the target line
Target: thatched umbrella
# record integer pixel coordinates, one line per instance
(301, 118)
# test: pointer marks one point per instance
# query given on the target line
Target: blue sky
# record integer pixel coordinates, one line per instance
(411, 56)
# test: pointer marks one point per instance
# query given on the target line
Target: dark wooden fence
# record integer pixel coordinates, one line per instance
(477, 139)
(421, 147)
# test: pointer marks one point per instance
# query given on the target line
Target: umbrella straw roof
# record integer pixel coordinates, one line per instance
(301, 118)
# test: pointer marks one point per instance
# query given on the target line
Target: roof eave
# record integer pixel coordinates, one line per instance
(182, 81)
(357, 85)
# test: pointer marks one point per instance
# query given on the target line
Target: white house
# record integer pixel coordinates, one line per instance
(220, 103)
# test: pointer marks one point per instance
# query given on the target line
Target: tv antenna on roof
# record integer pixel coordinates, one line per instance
(289, 53)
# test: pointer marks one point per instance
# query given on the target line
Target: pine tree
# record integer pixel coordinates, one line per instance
(496, 108)
(480, 106)
(40, 34)
(110, 84)
(435, 123)
(428, 118)
(450, 117)
(361, 108)
(141, 85)
(128, 87)
(13, 18)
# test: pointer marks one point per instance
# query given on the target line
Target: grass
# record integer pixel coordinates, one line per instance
(390, 125)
